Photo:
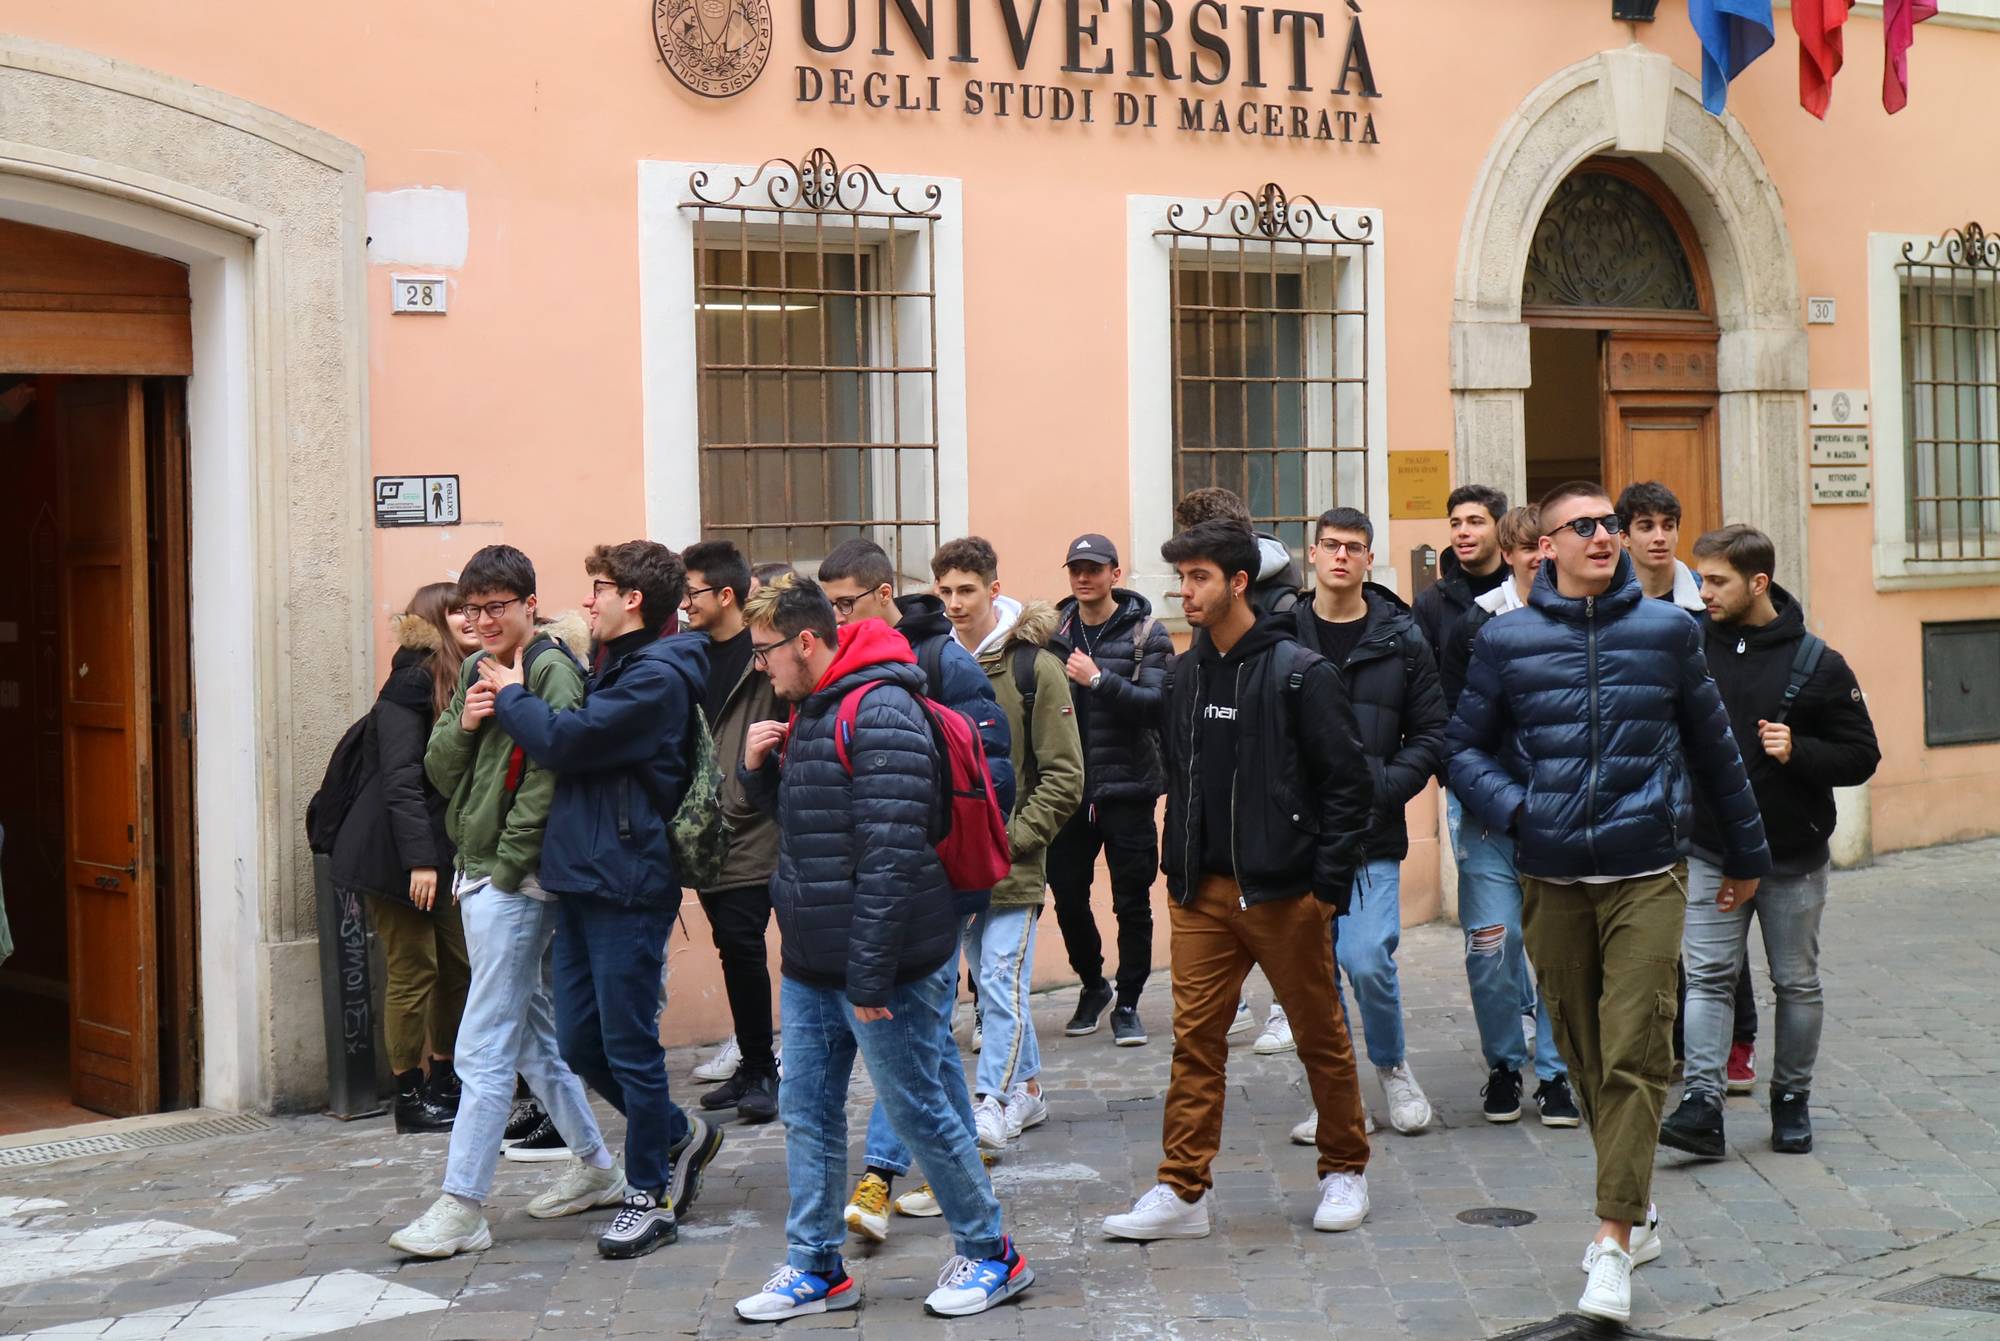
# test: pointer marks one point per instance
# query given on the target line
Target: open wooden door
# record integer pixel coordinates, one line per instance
(1660, 423)
(106, 708)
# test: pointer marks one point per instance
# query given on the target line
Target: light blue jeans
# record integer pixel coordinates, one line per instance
(509, 1025)
(1365, 938)
(821, 1036)
(1496, 968)
(884, 1150)
(1714, 945)
(1000, 942)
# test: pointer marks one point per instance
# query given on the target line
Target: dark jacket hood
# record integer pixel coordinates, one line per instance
(1788, 627)
(686, 653)
(1265, 634)
(1623, 593)
(1131, 608)
(922, 616)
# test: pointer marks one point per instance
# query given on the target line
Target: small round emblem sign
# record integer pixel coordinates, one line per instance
(717, 48)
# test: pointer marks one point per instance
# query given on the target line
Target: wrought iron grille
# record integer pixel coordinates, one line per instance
(1270, 352)
(816, 336)
(1951, 394)
(1603, 242)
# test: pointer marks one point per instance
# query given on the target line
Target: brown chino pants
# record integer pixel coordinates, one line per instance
(428, 976)
(1604, 956)
(1215, 943)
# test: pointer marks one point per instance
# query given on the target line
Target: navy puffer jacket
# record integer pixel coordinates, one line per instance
(1581, 726)
(860, 895)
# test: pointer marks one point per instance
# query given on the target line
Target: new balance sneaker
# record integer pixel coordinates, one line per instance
(722, 1065)
(1609, 1293)
(1502, 1095)
(1277, 1035)
(579, 1188)
(1025, 1109)
(793, 1293)
(1742, 1068)
(1696, 1126)
(1244, 1021)
(1558, 1105)
(525, 1119)
(922, 1203)
(641, 1225)
(1307, 1132)
(1127, 1031)
(1343, 1202)
(1645, 1242)
(1160, 1214)
(966, 1287)
(1791, 1123)
(449, 1227)
(1090, 1008)
(989, 1116)
(867, 1211)
(691, 1159)
(543, 1145)
(1409, 1110)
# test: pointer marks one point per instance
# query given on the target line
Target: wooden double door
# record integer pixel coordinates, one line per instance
(1661, 422)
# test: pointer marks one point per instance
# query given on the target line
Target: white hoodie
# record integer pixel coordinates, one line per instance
(1008, 612)
(1501, 599)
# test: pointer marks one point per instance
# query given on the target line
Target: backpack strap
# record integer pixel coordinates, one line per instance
(1140, 637)
(1023, 659)
(1805, 661)
(930, 660)
(843, 721)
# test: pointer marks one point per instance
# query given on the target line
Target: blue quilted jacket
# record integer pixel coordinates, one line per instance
(1584, 727)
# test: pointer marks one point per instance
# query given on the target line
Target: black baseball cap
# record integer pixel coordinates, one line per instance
(1091, 548)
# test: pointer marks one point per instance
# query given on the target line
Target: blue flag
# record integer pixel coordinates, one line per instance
(1733, 33)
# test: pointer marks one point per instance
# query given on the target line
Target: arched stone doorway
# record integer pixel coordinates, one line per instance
(1636, 105)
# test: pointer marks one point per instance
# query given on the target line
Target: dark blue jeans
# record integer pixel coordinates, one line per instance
(609, 990)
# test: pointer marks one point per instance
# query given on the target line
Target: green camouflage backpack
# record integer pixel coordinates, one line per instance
(699, 832)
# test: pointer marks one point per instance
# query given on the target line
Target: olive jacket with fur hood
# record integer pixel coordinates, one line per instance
(1048, 751)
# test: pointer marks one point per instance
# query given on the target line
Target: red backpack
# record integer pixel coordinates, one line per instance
(966, 824)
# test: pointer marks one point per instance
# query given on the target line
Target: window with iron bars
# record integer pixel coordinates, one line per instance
(1950, 291)
(1270, 298)
(816, 339)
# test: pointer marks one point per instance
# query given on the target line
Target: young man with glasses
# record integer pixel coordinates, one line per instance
(1366, 631)
(860, 582)
(866, 921)
(622, 760)
(739, 904)
(1584, 720)
(497, 813)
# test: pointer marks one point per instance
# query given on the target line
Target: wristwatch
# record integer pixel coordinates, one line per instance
(1097, 679)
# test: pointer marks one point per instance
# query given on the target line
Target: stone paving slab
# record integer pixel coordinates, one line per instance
(1904, 1184)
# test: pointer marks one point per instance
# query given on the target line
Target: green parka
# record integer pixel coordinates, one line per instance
(1048, 779)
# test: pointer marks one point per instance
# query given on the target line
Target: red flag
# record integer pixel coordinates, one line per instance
(1818, 24)
(1899, 29)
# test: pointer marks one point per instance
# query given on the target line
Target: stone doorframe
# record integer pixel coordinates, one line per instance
(268, 216)
(1636, 103)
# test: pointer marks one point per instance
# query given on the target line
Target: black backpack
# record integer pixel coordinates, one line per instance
(345, 774)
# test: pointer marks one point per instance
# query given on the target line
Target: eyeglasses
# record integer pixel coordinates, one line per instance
(1337, 548)
(597, 587)
(692, 592)
(1586, 527)
(760, 653)
(492, 609)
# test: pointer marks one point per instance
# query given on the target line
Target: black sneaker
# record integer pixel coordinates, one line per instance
(1558, 1105)
(1503, 1095)
(693, 1155)
(1090, 1008)
(760, 1100)
(444, 1087)
(416, 1110)
(1695, 1127)
(641, 1225)
(1126, 1029)
(1791, 1124)
(540, 1146)
(728, 1092)
(524, 1121)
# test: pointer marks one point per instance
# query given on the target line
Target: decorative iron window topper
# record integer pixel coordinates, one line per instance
(1951, 394)
(816, 343)
(1603, 242)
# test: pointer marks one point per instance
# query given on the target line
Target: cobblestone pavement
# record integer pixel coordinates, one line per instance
(282, 1233)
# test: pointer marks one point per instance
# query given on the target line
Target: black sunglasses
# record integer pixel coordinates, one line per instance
(1586, 527)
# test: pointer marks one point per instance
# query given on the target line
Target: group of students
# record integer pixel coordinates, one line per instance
(1576, 721)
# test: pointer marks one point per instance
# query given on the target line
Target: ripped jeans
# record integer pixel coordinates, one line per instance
(1496, 961)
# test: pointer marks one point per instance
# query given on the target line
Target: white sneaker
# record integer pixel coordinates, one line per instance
(1277, 1035)
(1645, 1242)
(1307, 1132)
(579, 1187)
(1025, 1110)
(1609, 1293)
(722, 1065)
(990, 1117)
(920, 1202)
(1409, 1110)
(447, 1228)
(1160, 1214)
(1244, 1021)
(1343, 1202)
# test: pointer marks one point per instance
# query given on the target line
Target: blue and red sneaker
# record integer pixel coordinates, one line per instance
(793, 1293)
(966, 1287)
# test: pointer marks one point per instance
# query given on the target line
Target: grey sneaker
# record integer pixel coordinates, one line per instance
(691, 1157)
(1127, 1030)
(449, 1227)
(640, 1226)
(579, 1188)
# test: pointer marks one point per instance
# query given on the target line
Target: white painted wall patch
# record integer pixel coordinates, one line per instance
(418, 225)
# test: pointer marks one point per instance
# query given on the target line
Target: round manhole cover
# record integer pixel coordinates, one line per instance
(1497, 1217)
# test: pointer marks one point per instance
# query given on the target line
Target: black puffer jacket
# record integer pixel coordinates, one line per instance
(396, 824)
(1392, 683)
(1833, 738)
(1440, 611)
(1121, 739)
(860, 895)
